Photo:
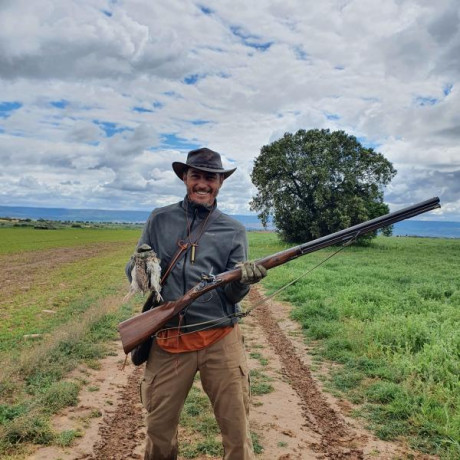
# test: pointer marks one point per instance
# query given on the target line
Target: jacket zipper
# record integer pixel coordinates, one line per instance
(184, 280)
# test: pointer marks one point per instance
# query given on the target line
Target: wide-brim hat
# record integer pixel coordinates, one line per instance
(203, 159)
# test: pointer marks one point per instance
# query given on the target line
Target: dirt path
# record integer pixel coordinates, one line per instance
(298, 420)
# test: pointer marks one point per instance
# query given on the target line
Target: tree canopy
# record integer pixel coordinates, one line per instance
(317, 182)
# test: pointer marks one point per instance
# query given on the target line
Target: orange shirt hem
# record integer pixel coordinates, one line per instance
(175, 341)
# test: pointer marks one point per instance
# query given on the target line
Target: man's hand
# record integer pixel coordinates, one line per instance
(251, 272)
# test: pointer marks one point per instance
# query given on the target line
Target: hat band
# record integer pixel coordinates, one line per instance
(199, 165)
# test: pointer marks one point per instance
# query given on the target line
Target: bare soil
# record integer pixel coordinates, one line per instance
(21, 271)
(298, 420)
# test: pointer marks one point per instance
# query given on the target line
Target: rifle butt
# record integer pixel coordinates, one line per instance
(139, 328)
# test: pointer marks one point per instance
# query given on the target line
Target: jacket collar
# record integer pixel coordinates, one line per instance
(196, 209)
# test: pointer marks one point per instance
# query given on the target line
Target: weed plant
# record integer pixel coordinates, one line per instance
(389, 313)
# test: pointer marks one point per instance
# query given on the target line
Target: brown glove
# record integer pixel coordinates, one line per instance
(251, 272)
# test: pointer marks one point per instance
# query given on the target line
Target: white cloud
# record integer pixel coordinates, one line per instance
(103, 105)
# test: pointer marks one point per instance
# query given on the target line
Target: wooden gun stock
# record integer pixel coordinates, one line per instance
(138, 329)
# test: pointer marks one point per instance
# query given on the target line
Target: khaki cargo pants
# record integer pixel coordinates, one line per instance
(224, 376)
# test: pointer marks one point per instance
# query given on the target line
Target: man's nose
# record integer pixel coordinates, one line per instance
(202, 183)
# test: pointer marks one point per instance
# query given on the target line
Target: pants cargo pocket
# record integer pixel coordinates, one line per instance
(146, 391)
(246, 384)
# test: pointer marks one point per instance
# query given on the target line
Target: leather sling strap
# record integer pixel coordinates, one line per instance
(183, 246)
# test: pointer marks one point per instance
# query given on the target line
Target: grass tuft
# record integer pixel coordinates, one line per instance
(58, 396)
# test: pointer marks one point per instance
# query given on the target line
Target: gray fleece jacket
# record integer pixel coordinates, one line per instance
(222, 245)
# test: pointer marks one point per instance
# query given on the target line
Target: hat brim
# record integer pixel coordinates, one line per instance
(179, 168)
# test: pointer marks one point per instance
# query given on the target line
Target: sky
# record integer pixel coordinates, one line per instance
(99, 97)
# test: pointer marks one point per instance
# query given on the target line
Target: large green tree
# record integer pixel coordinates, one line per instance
(317, 182)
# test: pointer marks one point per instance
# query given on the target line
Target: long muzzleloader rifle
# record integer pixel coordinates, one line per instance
(138, 329)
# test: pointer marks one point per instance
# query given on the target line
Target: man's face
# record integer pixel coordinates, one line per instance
(202, 187)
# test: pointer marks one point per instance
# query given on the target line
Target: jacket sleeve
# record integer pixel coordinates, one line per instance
(236, 291)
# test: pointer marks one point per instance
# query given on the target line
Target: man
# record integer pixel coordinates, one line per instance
(206, 336)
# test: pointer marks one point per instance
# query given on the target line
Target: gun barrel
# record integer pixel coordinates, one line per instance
(374, 224)
(139, 328)
(348, 233)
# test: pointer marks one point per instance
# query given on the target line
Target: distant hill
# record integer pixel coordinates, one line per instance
(438, 229)
(435, 228)
(99, 215)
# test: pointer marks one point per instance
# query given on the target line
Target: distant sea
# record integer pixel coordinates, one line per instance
(100, 215)
(421, 228)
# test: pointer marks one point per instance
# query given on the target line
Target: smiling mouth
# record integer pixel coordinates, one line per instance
(201, 193)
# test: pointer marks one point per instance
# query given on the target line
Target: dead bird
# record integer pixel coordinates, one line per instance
(146, 272)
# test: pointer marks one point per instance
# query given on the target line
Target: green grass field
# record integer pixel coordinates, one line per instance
(387, 313)
(78, 292)
(17, 239)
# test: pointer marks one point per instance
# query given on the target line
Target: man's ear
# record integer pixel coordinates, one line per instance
(184, 175)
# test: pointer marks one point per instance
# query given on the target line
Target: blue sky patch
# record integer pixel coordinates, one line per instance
(107, 13)
(366, 143)
(110, 128)
(191, 79)
(300, 53)
(172, 94)
(62, 104)
(205, 9)
(288, 112)
(141, 110)
(332, 116)
(259, 46)
(200, 122)
(175, 142)
(426, 100)
(216, 49)
(238, 31)
(447, 89)
(7, 107)
(251, 40)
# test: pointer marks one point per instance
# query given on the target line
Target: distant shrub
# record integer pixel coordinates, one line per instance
(44, 225)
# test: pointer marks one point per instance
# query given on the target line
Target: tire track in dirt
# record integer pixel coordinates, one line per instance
(336, 438)
(121, 432)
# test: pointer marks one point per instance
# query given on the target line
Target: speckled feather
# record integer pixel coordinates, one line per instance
(146, 274)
